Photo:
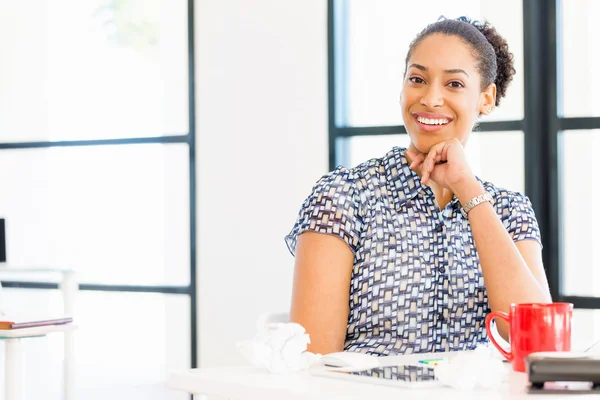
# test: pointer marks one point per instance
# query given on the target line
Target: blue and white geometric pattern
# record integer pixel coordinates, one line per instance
(417, 284)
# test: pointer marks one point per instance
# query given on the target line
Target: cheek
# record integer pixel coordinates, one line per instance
(408, 97)
(467, 110)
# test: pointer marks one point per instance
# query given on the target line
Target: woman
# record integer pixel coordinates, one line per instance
(409, 252)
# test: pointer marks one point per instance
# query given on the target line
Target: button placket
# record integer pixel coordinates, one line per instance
(439, 233)
(442, 280)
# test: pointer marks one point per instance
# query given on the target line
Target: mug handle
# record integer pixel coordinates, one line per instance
(488, 322)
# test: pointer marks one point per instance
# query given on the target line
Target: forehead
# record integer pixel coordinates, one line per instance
(439, 51)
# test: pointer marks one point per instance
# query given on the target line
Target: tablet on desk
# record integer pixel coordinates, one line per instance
(397, 375)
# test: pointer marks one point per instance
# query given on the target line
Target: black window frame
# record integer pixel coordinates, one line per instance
(187, 138)
(542, 125)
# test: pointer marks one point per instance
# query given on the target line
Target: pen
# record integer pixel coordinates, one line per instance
(433, 362)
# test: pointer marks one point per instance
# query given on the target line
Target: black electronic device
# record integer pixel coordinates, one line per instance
(549, 372)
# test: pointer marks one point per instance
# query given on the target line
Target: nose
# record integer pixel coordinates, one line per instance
(432, 97)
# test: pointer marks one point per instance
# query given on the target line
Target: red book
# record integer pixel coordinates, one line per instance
(14, 323)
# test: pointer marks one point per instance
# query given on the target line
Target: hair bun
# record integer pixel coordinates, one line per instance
(504, 58)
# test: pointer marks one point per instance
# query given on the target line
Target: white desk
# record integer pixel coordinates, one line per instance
(251, 383)
(69, 286)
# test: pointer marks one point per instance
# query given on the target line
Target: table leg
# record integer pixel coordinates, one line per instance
(69, 367)
(13, 370)
(69, 287)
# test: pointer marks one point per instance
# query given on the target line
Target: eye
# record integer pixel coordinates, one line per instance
(456, 85)
(416, 79)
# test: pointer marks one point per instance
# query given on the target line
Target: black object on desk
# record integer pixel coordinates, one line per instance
(2, 241)
(551, 372)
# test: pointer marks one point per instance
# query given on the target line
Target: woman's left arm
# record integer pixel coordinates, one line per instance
(513, 272)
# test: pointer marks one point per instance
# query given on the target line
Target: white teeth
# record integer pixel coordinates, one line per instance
(428, 121)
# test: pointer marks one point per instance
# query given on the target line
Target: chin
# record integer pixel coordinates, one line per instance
(424, 144)
(424, 141)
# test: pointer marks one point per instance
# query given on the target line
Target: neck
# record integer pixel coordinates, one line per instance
(442, 195)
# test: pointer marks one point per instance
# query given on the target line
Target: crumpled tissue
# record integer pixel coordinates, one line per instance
(280, 348)
(477, 368)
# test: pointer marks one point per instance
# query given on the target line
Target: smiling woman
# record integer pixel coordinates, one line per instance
(409, 252)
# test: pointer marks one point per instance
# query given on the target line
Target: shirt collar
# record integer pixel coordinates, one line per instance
(403, 183)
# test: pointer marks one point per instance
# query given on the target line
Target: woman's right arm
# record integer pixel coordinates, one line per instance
(321, 290)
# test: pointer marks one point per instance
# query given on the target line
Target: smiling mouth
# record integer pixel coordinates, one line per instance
(432, 121)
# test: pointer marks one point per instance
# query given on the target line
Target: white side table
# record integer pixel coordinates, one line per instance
(13, 363)
(69, 287)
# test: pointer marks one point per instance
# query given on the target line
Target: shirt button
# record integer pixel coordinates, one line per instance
(442, 270)
(439, 227)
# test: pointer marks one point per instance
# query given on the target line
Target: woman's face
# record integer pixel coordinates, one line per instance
(441, 95)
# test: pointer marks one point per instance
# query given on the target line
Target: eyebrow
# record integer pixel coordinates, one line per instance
(447, 71)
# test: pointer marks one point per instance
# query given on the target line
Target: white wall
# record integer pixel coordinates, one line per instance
(261, 89)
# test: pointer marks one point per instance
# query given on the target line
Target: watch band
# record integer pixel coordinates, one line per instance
(482, 198)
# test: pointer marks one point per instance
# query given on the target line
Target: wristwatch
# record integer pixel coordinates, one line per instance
(482, 198)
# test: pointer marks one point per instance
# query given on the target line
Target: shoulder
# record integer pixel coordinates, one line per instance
(508, 202)
(359, 176)
(516, 212)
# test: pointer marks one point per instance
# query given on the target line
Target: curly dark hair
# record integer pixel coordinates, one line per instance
(494, 60)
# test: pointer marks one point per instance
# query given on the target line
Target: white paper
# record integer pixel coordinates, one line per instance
(280, 348)
(478, 368)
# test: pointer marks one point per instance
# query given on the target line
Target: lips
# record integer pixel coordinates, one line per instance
(430, 122)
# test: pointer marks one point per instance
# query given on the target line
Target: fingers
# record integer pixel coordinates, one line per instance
(417, 159)
(428, 165)
(411, 153)
(437, 154)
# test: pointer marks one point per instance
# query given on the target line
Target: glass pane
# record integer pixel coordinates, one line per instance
(580, 63)
(378, 35)
(93, 69)
(354, 150)
(580, 216)
(117, 214)
(125, 344)
(585, 330)
(497, 157)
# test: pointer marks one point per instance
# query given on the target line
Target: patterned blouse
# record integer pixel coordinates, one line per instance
(417, 285)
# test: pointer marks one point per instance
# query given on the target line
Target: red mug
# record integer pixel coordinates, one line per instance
(534, 327)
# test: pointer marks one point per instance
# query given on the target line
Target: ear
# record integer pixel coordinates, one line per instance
(488, 99)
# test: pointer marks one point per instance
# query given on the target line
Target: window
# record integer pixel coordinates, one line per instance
(579, 168)
(580, 218)
(547, 126)
(373, 39)
(94, 69)
(370, 41)
(96, 142)
(367, 56)
(580, 79)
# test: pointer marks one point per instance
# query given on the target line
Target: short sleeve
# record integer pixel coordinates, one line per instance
(519, 219)
(333, 208)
